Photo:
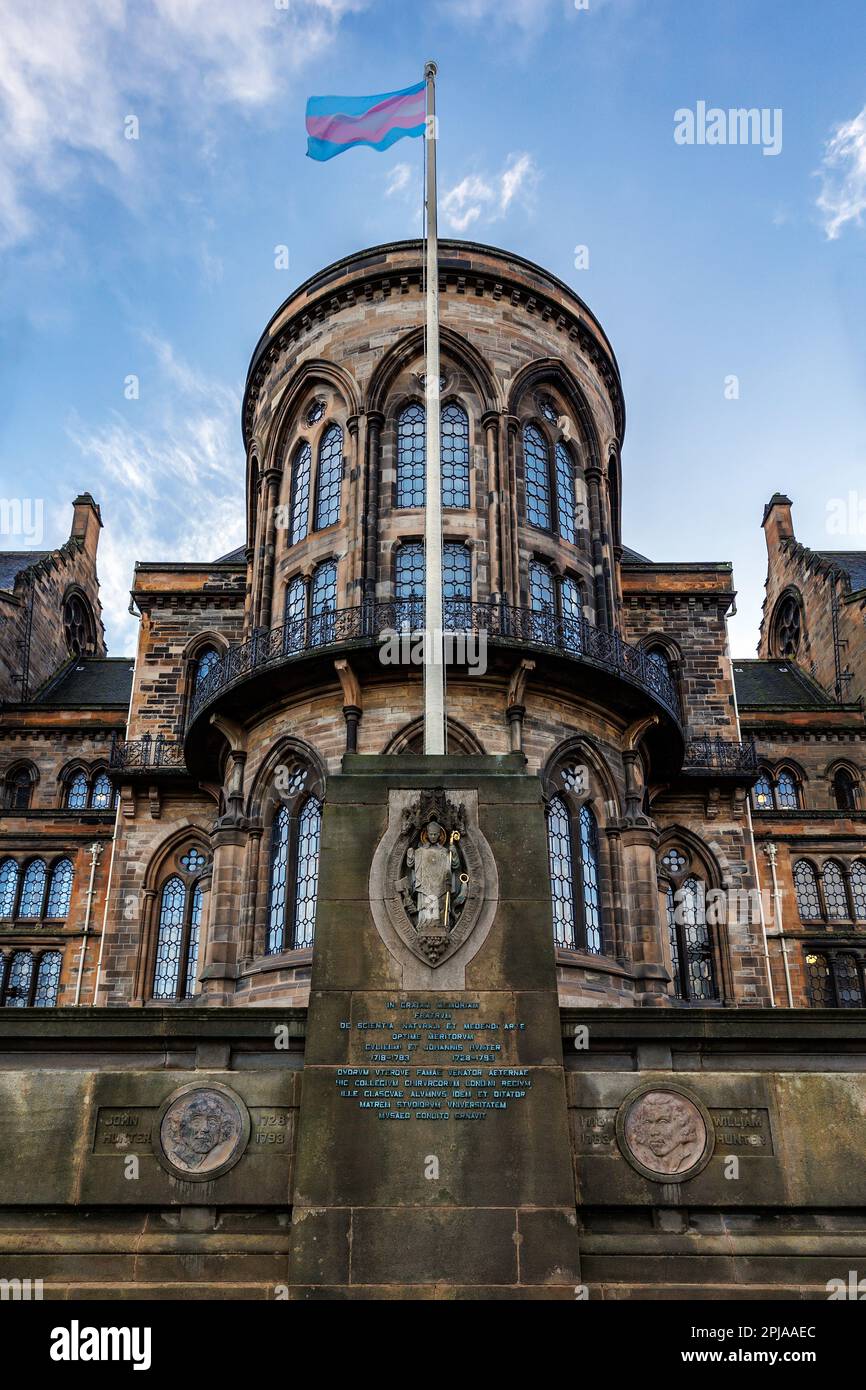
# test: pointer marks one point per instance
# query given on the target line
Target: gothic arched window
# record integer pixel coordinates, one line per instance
(60, 889)
(542, 601)
(19, 788)
(571, 599)
(299, 498)
(323, 603)
(691, 950)
(566, 502)
(329, 478)
(17, 988)
(844, 790)
(76, 796)
(835, 897)
(8, 887)
(47, 980)
(177, 943)
(205, 663)
(572, 842)
(409, 580)
(762, 793)
(294, 877)
(858, 889)
(455, 457)
(537, 478)
(835, 980)
(295, 615)
(101, 796)
(411, 456)
(806, 889)
(33, 890)
(787, 797)
(786, 627)
(456, 587)
(79, 626)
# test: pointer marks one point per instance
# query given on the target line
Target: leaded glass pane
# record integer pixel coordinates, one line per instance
(315, 412)
(8, 887)
(3, 963)
(561, 873)
(806, 888)
(674, 939)
(456, 587)
(101, 797)
(455, 457)
(279, 870)
(76, 798)
(762, 794)
(411, 455)
(294, 616)
(48, 980)
(193, 860)
(299, 506)
(566, 502)
(323, 603)
(786, 792)
(60, 889)
(858, 889)
(191, 978)
(543, 604)
(330, 478)
(835, 897)
(169, 942)
(307, 877)
(20, 977)
(33, 890)
(674, 862)
(700, 978)
(409, 585)
(537, 474)
(849, 986)
(589, 881)
(821, 992)
(205, 664)
(572, 612)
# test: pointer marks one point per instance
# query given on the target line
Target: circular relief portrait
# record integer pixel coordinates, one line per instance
(201, 1132)
(664, 1133)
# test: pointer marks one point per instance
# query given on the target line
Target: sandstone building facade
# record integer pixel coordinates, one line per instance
(175, 828)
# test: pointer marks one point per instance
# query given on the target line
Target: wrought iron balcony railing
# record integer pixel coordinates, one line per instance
(369, 621)
(146, 754)
(719, 755)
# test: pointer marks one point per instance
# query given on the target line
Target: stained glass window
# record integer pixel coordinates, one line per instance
(566, 503)
(299, 503)
(60, 889)
(835, 897)
(101, 796)
(455, 457)
(589, 881)
(33, 890)
(8, 887)
(537, 476)
(48, 980)
(279, 870)
(76, 798)
(169, 941)
(561, 872)
(323, 603)
(409, 585)
(456, 587)
(858, 889)
(20, 978)
(330, 477)
(806, 889)
(411, 454)
(307, 875)
(762, 793)
(786, 792)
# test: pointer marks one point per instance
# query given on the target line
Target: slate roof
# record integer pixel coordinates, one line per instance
(632, 557)
(91, 681)
(853, 562)
(774, 684)
(233, 556)
(12, 562)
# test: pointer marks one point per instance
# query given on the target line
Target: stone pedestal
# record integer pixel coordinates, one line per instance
(433, 1154)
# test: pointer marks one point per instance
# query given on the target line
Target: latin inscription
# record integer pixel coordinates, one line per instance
(435, 1060)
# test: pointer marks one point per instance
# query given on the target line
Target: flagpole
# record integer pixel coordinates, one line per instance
(434, 670)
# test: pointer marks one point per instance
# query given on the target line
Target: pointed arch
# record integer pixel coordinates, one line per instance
(316, 370)
(552, 371)
(410, 739)
(453, 346)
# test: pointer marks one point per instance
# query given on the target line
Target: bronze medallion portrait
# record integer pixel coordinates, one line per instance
(201, 1132)
(665, 1133)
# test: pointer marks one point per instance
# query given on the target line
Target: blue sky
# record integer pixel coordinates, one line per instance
(155, 257)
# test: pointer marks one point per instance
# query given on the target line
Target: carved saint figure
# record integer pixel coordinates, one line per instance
(436, 885)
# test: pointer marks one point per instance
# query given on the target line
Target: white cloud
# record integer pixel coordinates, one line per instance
(843, 173)
(70, 73)
(488, 198)
(399, 180)
(172, 487)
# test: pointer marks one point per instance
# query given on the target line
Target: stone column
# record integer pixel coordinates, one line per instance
(375, 421)
(597, 535)
(508, 472)
(490, 425)
(272, 480)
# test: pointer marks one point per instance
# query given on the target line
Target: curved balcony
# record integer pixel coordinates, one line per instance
(588, 660)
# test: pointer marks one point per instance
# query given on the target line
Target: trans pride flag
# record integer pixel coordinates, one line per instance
(335, 124)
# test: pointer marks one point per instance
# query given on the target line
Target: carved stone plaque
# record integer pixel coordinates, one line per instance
(665, 1133)
(201, 1132)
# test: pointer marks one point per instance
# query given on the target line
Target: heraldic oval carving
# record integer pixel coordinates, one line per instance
(433, 881)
